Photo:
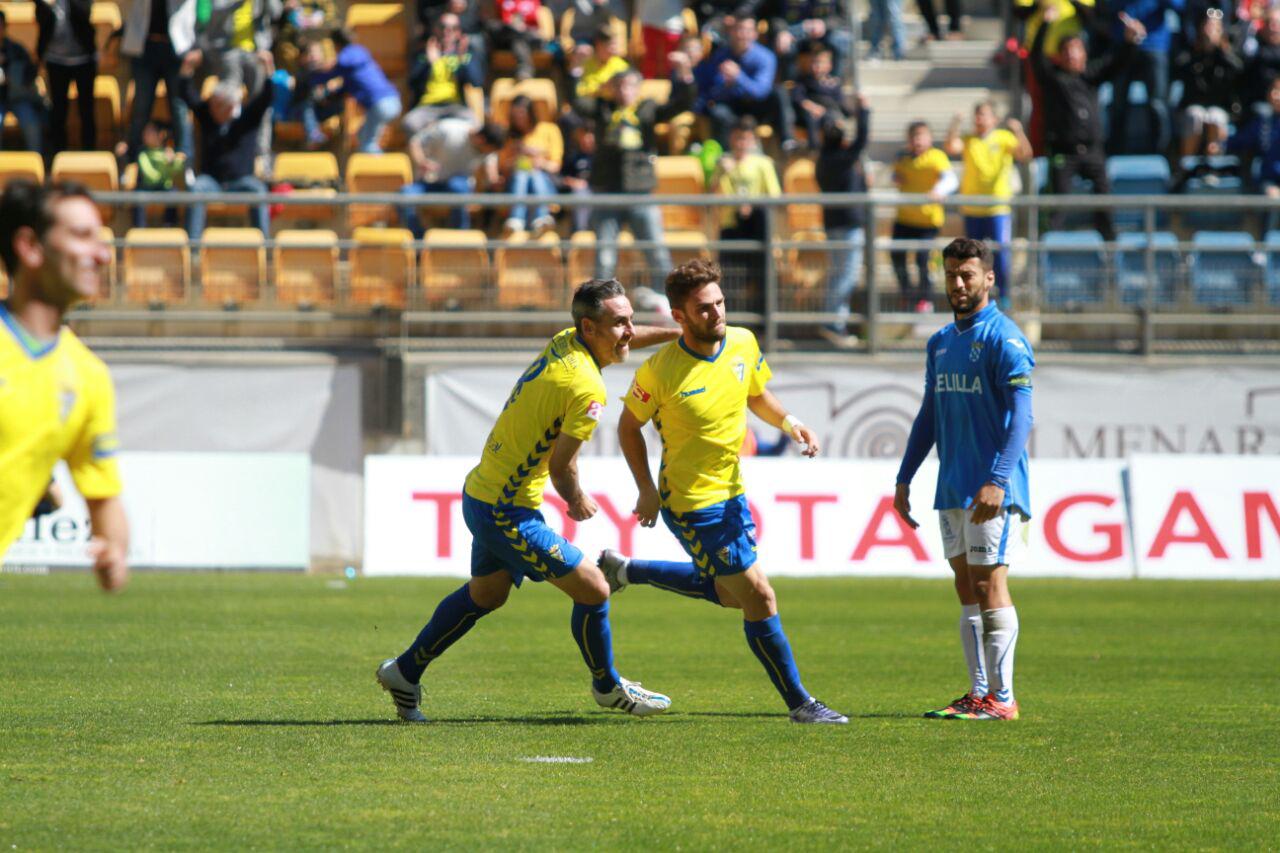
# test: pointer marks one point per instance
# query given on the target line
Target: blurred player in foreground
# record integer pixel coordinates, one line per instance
(977, 409)
(552, 411)
(697, 391)
(56, 398)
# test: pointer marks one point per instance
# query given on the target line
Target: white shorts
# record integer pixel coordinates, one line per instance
(997, 542)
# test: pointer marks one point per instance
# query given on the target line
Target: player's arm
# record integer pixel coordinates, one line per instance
(989, 500)
(636, 452)
(651, 336)
(109, 546)
(563, 468)
(767, 408)
(919, 443)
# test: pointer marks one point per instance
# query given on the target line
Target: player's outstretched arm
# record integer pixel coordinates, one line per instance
(767, 408)
(563, 468)
(631, 440)
(651, 336)
(109, 546)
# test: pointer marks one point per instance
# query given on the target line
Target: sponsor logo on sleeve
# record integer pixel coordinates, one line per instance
(594, 409)
(639, 393)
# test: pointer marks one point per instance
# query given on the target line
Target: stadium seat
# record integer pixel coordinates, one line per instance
(632, 266)
(1131, 268)
(20, 19)
(685, 246)
(1224, 271)
(1137, 174)
(21, 164)
(504, 61)
(540, 90)
(233, 265)
(1273, 267)
(105, 17)
(311, 173)
(94, 169)
(157, 266)
(1073, 267)
(306, 264)
(804, 273)
(530, 274)
(455, 268)
(383, 29)
(1212, 176)
(106, 111)
(799, 179)
(376, 173)
(382, 267)
(681, 175)
(581, 261)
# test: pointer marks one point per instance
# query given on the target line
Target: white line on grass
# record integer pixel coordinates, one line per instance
(557, 759)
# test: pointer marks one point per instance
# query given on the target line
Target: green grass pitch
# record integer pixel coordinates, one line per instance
(240, 712)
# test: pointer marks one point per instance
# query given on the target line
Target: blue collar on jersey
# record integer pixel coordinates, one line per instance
(699, 356)
(577, 336)
(33, 346)
(967, 323)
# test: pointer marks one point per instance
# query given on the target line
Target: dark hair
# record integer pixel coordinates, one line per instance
(602, 34)
(525, 103)
(963, 249)
(917, 125)
(494, 134)
(589, 298)
(28, 204)
(341, 37)
(688, 277)
(746, 124)
(3, 19)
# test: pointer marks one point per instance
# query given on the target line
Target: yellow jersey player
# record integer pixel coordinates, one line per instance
(697, 391)
(56, 398)
(552, 411)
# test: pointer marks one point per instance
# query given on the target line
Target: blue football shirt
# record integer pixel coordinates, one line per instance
(972, 376)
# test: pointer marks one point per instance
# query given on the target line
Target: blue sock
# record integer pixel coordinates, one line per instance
(454, 617)
(590, 624)
(680, 578)
(769, 643)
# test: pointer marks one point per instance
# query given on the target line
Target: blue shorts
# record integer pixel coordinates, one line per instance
(517, 540)
(721, 538)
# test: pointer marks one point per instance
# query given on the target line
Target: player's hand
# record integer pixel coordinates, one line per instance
(582, 507)
(109, 564)
(807, 439)
(902, 504)
(647, 506)
(986, 504)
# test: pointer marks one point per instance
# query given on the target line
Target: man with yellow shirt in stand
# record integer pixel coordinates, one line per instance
(745, 175)
(592, 67)
(56, 398)
(989, 153)
(442, 73)
(921, 169)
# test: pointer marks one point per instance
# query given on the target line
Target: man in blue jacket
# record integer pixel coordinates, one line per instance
(738, 80)
(362, 79)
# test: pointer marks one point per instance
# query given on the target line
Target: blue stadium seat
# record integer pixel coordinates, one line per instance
(1224, 271)
(1273, 267)
(1073, 267)
(1138, 174)
(1131, 268)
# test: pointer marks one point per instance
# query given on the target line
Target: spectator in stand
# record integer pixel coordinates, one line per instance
(930, 15)
(1142, 23)
(238, 32)
(626, 149)
(738, 80)
(361, 79)
(528, 163)
(157, 34)
(159, 170)
(818, 97)
(886, 15)
(297, 100)
(468, 12)
(301, 20)
(18, 93)
(1210, 72)
(1073, 120)
(589, 18)
(440, 76)
(745, 175)
(988, 154)
(920, 169)
(594, 66)
(446, 155)
(839, 170)
(1263, 60)
(1071, 18)
(660, 24)
(1260, 138)
(801, 26)
(513, 26)
(67, 48)
(228, 141)
(575, 174)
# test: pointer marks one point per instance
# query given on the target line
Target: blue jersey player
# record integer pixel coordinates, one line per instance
(977, 409)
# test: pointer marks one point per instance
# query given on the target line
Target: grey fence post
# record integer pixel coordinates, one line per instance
(869, 260)
(770, 280)
(1147, 342)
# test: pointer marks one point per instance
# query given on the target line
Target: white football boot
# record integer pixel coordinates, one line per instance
(407, 696)
(630, 697)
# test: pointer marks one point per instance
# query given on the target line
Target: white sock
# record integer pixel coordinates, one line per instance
(971, 641)
(1000, 635)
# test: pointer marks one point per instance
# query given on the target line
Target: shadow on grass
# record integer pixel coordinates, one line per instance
(563, 719)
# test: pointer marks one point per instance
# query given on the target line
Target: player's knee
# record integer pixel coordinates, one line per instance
(982, 587)
(594, 594)
(489, 596)
(761, 596)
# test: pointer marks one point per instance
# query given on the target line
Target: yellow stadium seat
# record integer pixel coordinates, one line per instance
(233, 265)
(538, 89)
(681, 175)
(20, 20)
(581, 260)
(382, 29)
(804, 273)
(799, 179)
(306, 264)
(95, 169)
(157, 266)
(658, 91)
(632, 266)
(529, 273)
(21, 164)
(304, 169)
(376, 173)
(455, 268)
(685, 246)
(382, 267)
(105, 17)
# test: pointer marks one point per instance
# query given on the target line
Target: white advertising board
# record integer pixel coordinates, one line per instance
(190, 511)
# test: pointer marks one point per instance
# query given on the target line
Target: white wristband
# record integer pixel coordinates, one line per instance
(789, 424)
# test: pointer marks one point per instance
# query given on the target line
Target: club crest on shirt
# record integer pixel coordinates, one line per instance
(975, 351)
(68, 402)
(723, 554)
(740, 369)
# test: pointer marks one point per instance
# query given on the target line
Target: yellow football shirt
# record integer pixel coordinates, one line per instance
(699, 405)
(242, 27)
(752, 176)
(596, 73)
(562, 391)
(442, 81)
(56, 402)
(918, 175)
(988, 163)
(1068, 23)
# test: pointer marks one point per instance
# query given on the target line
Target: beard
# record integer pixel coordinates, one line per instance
(712, 334)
